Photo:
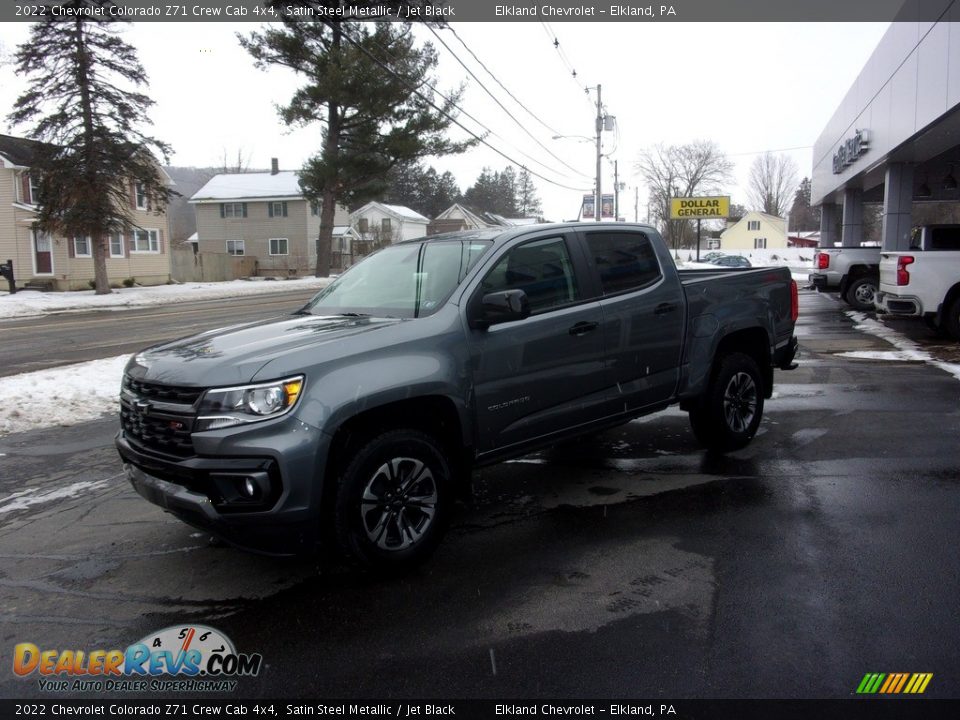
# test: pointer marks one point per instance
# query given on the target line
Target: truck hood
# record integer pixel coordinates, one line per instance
(233, 355)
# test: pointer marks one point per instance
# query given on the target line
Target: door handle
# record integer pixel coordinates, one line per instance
(664, 308)
(583, 327)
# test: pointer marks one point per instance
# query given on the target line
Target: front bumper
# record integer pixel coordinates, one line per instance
(284, 464)
(905, 305)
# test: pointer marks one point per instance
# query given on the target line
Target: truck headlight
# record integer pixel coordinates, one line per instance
(226, 407)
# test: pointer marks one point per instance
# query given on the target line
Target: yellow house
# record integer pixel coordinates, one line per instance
(755, 231)
(66, 263)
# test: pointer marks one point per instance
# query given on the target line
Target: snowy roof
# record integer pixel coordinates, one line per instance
(399, 211)
(339, 230)
(240, 186)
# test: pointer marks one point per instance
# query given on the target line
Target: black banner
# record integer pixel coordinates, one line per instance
(853, 709)
(497, 10)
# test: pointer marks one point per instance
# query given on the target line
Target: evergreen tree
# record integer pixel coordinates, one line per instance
(527, 200)
(83, 109)
(802, 216)
(482, 195)
(371, 89)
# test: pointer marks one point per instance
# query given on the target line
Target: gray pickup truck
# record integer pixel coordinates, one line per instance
(355, 421)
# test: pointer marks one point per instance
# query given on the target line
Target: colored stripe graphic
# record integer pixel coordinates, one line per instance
(894, 683)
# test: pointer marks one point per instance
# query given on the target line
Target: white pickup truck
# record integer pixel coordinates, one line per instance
(924, 281)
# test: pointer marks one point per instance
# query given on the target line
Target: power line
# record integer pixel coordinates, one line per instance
(503, 107)
(452, 119)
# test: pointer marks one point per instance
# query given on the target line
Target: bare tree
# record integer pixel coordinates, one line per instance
(697, 168)
(772, 184)
(241, 164)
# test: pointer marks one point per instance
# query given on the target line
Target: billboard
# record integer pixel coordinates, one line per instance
(587, 207)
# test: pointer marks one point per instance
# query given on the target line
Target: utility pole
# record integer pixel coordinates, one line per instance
(616, 192)
(598, 198)
(636, 205)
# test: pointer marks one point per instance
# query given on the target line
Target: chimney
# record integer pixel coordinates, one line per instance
(274, 166)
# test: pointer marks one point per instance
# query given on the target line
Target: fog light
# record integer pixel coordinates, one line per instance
(249, 487)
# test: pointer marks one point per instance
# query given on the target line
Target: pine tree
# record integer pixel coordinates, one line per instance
(527, 201)
(371, 89)
(89, 122)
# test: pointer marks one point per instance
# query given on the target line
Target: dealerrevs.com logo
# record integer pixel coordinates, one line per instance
(187, 658)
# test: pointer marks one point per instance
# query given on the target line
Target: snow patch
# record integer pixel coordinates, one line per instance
(66, 395)
(31, 302)
(28, 498)
(908, 350)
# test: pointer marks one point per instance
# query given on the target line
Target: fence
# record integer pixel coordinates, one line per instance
(188, 266)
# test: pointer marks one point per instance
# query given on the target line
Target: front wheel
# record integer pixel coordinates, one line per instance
(861, 293)
(393, 501)
(729, 413)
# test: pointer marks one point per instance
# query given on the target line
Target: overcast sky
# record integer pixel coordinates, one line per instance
(749, 87)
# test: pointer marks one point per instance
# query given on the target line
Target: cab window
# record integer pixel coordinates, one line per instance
(624, 261)
(542, 269)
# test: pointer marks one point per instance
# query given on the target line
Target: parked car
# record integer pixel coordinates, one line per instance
(925, 280)
(731, 261)
(711, 256)
(853, 271)
(356, 421)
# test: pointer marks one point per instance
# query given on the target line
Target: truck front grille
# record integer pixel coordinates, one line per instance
(158, 417)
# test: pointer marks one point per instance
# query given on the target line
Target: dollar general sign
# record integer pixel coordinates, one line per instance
(704, 208)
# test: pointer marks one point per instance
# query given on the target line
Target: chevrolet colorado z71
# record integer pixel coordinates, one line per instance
(356, 420)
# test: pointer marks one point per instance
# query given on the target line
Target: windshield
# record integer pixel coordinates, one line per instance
(405, 281)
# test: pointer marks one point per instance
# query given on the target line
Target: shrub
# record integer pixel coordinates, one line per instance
(129, 282)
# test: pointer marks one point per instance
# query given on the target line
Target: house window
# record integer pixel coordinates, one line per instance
(363, 225)
(753, 224)
(145, 241)
(116, 245)
(81, 246)
(141, 196)
(235, 247)
(277, 209)
(385, 226)
(34, 191)
(278, 246)
(759, 243)
(233, 210)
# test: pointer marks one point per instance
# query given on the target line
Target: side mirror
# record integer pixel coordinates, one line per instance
(501, 307)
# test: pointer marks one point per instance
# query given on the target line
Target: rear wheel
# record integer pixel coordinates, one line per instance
(951, 321)
(729, 413)
(393, 501)
(861, 293)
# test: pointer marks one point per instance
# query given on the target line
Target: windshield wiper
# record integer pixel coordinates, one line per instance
(353, 314)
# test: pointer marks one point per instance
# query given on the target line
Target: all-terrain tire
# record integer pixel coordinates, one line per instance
(727, 416)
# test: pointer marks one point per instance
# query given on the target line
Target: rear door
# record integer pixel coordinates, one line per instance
(643, 315)
(536, 376)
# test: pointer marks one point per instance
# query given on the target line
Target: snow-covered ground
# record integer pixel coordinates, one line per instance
(31, 302)
(798, 260)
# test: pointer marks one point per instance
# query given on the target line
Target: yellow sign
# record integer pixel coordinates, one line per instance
(699, 208)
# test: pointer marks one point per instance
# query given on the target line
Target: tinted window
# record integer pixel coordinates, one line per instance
(542, 269)
(945, 238)
(625, 261)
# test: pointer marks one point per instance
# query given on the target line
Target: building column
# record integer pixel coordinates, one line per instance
(897, 201)
(828, 221)
(852, 232)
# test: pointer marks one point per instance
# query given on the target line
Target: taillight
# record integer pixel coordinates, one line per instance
(794, 301)
(823, 261)
(903, 277)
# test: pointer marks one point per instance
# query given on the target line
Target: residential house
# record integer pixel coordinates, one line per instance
(459, 217)
(345, 241)
(379, 224)
(755, 231)
(262, 215)
(62, 263)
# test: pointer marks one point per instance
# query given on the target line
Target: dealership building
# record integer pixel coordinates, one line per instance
(895, 139)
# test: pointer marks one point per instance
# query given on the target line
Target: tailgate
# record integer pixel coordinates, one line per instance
(888, 271)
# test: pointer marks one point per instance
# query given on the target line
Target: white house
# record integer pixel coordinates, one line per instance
(380, 224)
(755, 231)
(459, 217)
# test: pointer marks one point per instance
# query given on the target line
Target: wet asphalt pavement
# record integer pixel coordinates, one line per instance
(632, 564)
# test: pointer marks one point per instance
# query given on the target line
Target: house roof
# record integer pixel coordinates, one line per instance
(400, 212)
(18, 151)
(468, 214)
(339, 230)
(249, 186)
